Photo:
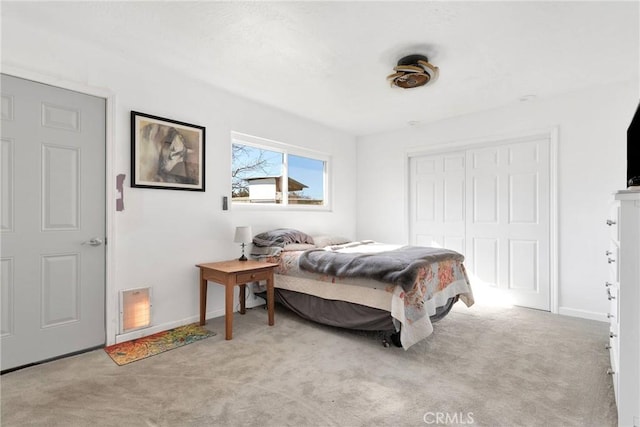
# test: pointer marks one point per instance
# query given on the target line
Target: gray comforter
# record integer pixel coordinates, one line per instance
(398, 266)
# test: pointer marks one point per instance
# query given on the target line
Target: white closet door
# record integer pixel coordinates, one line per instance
(437, 201)
(492, 204)
(508, 221)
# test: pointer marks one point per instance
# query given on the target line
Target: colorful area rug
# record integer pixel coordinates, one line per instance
(141, 348)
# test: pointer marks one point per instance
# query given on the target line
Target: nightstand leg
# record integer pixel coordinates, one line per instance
(203, 299)
(270, 299)
(228, 311)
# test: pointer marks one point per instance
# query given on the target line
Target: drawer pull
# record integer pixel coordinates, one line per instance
(608, 253)
(610, 260)
(253, 276)
(609, 296)
(607, 284)
(612, 335)
(610, 316)
(610, 222)
(610, 371)
(607, 347)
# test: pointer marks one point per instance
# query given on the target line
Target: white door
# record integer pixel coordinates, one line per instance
(52, 222)
(508, 221)
(492, 204)
(437, 201)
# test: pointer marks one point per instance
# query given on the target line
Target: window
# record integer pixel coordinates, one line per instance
(268, 172)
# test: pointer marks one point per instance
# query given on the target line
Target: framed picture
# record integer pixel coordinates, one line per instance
(166, 153)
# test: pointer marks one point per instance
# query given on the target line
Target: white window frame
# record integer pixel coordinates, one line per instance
(286, 150)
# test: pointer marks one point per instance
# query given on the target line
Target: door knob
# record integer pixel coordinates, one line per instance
(94, 241)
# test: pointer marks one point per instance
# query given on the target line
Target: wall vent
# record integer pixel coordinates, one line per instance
(135, 309)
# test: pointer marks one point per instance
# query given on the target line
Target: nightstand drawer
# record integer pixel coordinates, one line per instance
(252, 276)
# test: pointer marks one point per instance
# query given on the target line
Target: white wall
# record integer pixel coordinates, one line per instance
(162, 234)
(591, 166)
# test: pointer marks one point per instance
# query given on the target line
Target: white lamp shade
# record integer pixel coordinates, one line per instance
(243, 235)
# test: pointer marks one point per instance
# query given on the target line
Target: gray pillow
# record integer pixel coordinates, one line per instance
(281, 237)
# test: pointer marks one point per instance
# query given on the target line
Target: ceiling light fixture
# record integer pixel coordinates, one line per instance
(413, 71)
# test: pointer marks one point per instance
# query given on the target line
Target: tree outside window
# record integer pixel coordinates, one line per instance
(272, 176)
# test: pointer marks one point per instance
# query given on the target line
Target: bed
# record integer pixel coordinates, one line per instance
(364, 285)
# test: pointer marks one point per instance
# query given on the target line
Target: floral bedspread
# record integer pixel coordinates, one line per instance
(433, 285)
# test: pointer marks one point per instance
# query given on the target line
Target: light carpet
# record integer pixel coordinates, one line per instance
(483, 366)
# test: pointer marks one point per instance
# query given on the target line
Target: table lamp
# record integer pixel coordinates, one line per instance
(243, 236)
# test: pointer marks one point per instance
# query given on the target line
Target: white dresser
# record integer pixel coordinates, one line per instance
(623, 293)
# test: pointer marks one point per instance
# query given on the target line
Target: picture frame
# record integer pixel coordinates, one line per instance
(166, 154)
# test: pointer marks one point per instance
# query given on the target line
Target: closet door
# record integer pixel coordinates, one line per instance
(508, 219)
(437, 200)
(493, 205)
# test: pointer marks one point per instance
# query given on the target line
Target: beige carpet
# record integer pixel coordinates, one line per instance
(484, 366)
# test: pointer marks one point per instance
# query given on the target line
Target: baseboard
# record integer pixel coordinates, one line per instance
(154, 329)
(584, 314)
(251, 302)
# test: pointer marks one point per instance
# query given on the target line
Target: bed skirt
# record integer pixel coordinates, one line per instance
(343, 314)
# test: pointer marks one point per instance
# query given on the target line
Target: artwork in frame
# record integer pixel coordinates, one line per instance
(166, 153)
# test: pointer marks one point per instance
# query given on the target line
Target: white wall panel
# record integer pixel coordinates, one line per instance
(61, 188)
(7, 190)
(60, 289)
(58, 117)
(523, 154)
(7, 110)
(523, 265)
(454, 200)
(486, 259)
(6, 294)
(424, 166)
(425, 200)
(485, 199)
(523, 198)
(486, 158)
(454, 163)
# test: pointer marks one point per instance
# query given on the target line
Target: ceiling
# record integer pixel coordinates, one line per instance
(328, 61)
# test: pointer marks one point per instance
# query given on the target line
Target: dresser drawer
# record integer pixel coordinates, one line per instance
(612, 255)
(253, 276)
(613, 371)
(613, 220)
(614, 304)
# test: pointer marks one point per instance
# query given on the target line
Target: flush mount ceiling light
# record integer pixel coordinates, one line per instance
(413, 71)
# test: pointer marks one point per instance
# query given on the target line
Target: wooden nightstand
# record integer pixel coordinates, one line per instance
(230, 274)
